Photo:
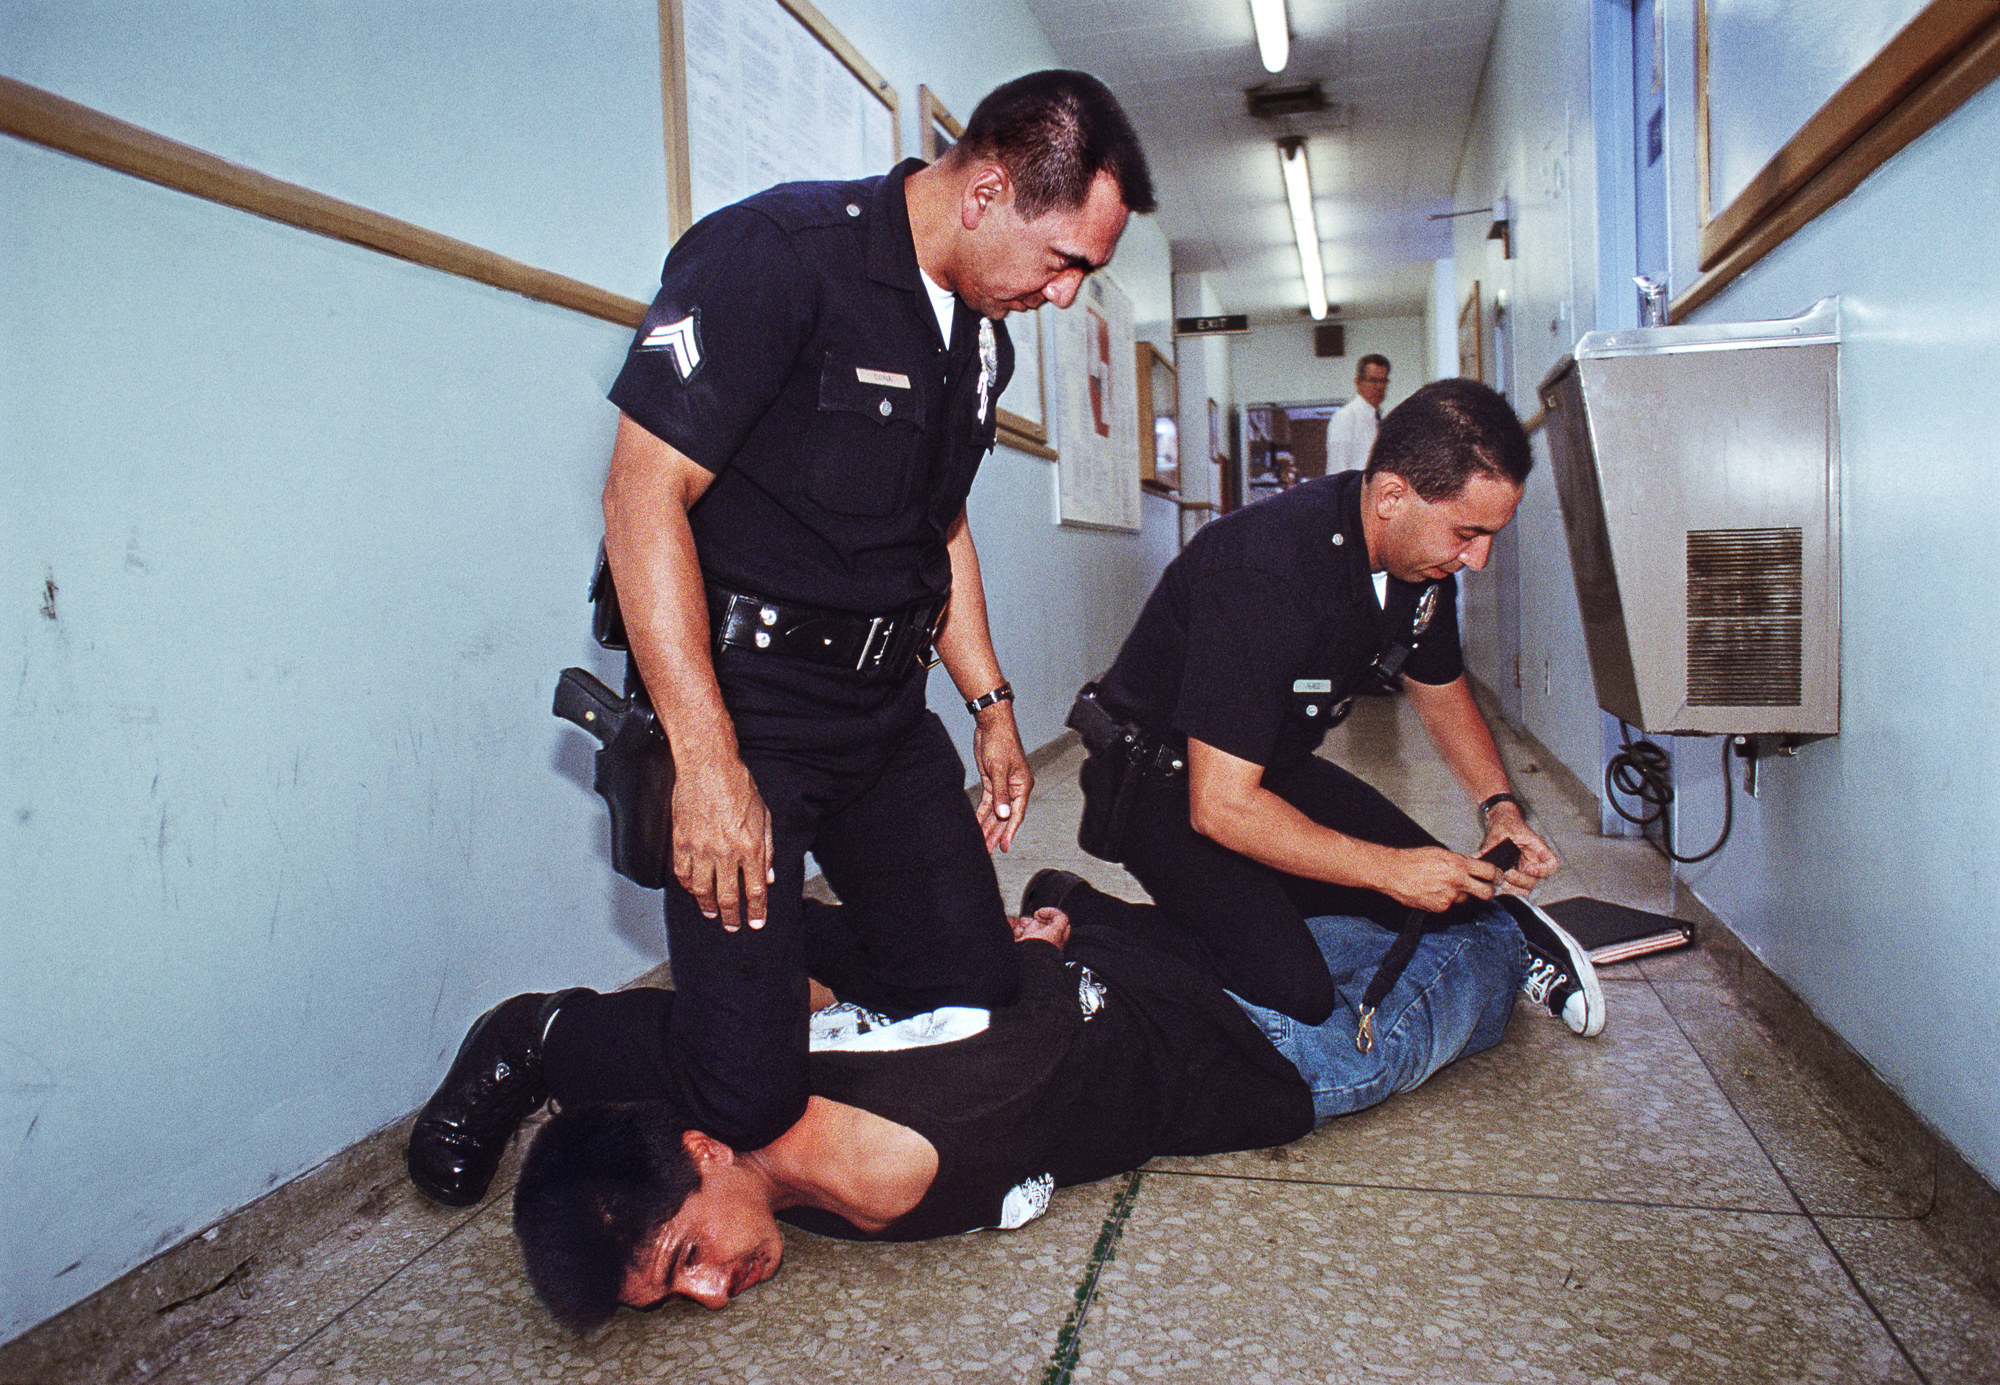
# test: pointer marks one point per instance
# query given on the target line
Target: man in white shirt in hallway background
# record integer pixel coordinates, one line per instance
(1351, 432)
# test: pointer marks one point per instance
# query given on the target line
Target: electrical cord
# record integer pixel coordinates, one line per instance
(1644, 771)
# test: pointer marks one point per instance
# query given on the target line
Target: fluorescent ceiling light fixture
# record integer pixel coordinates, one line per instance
(1274, 35)
(1298, 192)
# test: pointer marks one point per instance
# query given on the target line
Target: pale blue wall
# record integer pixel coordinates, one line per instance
(1531, 141)
(1859, 872)
(524, 127)
(284, 803)
(1862, 872)
(296, 537)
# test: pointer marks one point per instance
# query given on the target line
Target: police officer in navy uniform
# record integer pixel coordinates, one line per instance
(1202, 777)
(803, 410)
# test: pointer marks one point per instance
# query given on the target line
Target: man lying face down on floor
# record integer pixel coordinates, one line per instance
(1119, 1049)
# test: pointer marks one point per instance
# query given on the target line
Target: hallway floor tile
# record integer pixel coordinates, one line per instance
(1681, 1200)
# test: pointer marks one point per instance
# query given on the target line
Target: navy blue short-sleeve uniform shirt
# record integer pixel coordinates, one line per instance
(1265, 622)
(793, 351)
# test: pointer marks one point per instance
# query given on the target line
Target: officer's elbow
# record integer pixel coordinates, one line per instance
(1215, 817)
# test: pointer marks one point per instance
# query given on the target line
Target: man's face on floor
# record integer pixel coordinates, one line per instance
(723, 1241)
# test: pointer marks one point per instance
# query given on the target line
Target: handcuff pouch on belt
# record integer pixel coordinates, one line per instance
(1129, 755)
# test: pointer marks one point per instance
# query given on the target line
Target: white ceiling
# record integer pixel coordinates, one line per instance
(1401, 76)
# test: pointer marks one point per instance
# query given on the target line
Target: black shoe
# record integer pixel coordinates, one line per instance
(1047, 889)
(494, 1084)
(1560, 977)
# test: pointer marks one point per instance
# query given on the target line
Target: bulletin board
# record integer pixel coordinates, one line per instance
(759, 92)
(1097, 398)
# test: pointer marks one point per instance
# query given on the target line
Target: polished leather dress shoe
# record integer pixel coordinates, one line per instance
(1047, 889)
(494, 1084)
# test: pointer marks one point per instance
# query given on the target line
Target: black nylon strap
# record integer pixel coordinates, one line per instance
(1416, 923)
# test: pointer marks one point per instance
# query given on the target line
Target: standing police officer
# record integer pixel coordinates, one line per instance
(1202, 778)
(803, 410)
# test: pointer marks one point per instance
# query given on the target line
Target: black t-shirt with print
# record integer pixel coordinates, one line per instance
(1114, 1054)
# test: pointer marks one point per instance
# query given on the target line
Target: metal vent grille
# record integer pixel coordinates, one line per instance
(1745, 617)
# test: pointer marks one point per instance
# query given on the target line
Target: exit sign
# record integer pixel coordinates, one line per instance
(1227, 325)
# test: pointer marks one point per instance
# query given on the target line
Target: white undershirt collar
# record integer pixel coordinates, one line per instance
(944, 303)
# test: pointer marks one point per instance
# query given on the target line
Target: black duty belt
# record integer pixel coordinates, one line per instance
(885, 646)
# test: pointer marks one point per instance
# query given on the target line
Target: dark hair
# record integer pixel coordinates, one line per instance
(1372, 358)
(1054, 132)
(1447, 431)
(598, 1181)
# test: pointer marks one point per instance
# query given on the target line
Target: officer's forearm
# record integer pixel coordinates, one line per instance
(651, 550)
(965, 640)
(1228, 804)
(1270, 831)
(1452, 719)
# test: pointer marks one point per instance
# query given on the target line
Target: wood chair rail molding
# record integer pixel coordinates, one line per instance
(44, 118)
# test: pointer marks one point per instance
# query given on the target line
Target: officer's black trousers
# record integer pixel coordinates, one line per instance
(1249, 918)
(866, 779)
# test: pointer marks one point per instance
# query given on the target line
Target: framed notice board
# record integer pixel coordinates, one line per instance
(1097, 408)
(759, 92)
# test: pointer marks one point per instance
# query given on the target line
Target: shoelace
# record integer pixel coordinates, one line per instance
(1543, 979)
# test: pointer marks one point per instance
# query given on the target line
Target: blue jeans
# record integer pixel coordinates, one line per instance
(1453, 998)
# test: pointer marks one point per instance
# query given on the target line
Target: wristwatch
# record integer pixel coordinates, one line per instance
(1003, 693)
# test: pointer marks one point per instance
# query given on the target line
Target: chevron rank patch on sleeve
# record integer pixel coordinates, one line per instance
(683, 339)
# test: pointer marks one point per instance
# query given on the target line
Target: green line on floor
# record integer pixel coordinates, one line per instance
(1069, 1341)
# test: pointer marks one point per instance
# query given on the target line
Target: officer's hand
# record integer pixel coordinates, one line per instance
(1433, 879)
(1004, 777)
(722, 842)
(1537, 862)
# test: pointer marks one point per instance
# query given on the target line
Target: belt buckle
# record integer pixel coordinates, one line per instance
(871, 655)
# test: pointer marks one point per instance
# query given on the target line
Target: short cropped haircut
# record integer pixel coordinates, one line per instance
(598, 1181)
(1054, 132)
(1447, 432)
(1372, 358)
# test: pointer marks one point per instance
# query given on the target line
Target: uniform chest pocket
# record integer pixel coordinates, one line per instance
(867, 436)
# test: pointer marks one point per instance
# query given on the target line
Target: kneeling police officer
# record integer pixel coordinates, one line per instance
(802, 414)
(1202, 778)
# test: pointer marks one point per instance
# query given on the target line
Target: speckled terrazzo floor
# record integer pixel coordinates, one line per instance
(1680, 1200)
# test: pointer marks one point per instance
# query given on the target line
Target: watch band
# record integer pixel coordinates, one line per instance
(1003, 693)
(1489, 804)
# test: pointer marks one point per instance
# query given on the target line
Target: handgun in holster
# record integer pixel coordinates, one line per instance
(634, 765)
(1122, 758)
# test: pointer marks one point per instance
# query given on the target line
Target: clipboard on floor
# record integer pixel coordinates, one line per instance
(1615, 932)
